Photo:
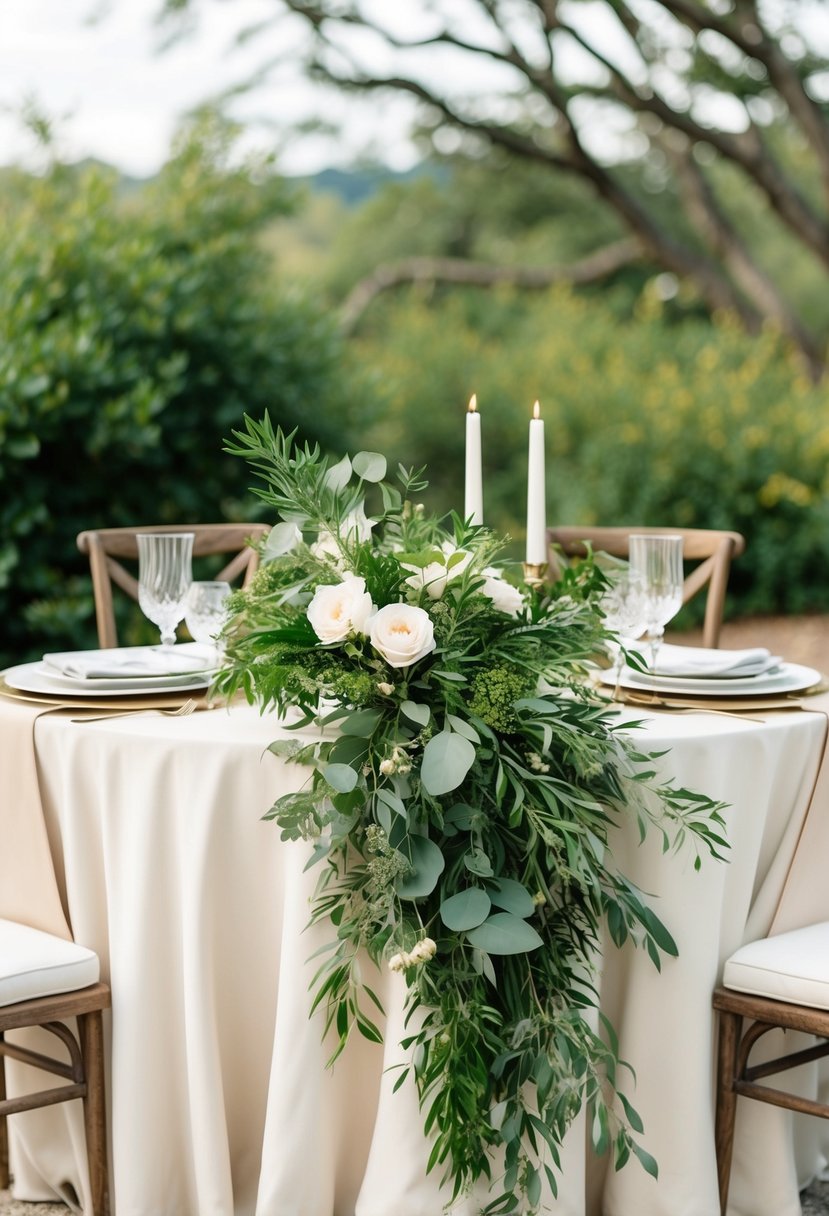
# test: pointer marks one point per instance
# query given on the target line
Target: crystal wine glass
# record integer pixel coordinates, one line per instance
(206, 611)
(623, 607)
(657, 560)
(164, 576)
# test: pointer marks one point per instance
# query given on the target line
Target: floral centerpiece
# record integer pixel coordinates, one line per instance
(461, 815)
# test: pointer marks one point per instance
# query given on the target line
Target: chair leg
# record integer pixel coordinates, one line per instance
(729, 1037)
(4, 1128)
(90, 1027)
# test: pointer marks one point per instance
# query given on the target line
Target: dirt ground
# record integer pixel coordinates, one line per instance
(798, 639)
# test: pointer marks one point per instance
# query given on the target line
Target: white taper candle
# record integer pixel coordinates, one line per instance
(473, 498)
(536, 493)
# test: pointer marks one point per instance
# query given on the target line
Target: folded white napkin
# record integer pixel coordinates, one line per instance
(696, 662)
(132, 662)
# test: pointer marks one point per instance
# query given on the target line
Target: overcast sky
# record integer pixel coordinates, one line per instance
(95, 65)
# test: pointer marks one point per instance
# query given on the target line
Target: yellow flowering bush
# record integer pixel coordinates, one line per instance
(652, 418)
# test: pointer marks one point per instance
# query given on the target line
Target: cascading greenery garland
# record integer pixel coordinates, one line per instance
(461, 816)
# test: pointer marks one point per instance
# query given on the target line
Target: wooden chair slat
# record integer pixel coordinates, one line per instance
(86, 1071)
(744, 1018)
(107, 548)
(712, 549)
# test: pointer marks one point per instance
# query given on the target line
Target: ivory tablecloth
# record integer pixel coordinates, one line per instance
(219, 1101)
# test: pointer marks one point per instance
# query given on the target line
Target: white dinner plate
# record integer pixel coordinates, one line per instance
(788, 677)
(37, 677)
(126, 664)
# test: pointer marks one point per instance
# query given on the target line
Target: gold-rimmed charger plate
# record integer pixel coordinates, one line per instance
(121, 704)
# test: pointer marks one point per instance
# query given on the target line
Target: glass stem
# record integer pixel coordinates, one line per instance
(168, 639)
(655, 636)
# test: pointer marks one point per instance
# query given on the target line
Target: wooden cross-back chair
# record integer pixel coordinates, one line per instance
(46, 981)
(711, 549)
(106, 548)
(776, 983)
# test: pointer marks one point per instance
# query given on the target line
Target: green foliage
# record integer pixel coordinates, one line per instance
(461, 817)
(651, 418)
(133, 335)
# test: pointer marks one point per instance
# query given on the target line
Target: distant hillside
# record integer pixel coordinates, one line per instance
(351, 186)
(354, 186)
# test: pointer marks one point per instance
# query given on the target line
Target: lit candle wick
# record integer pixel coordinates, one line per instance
(473, 403)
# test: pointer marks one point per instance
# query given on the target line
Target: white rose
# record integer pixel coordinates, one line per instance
(354, 527)
(341, 609)
(402, 634)
(326, 546)
(504, 596)
(434, 577)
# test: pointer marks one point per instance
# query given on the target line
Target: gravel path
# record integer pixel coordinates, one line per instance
(798, 639)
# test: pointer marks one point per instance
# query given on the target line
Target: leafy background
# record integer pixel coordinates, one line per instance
(139, 321)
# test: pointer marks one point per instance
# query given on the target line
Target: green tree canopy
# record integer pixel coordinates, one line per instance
(134, 335)
(702, 124)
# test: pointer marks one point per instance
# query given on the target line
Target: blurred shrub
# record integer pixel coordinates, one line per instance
(647, 422)
(134, 334)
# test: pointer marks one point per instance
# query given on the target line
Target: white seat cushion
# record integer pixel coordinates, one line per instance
(33, 964)
(791, 967)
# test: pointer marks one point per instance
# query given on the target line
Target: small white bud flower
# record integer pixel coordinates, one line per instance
(385, 689)
(387, 767)
(423, 950)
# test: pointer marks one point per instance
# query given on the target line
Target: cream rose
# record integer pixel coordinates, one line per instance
(341, 609)
(504, 596)
(402, 634)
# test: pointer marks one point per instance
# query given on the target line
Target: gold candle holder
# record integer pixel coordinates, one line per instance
(534, 573)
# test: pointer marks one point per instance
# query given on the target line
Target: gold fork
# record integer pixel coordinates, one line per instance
(181, 711)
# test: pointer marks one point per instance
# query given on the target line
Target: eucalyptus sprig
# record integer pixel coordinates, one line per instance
(461, 818)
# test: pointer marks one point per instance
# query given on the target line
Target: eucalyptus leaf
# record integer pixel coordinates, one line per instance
(447, 758)
(363, 722)
(392, 802)
(512, 896)
(462, 816)
(419, 714)
(280, 540)
(466, 910)
(370, 466)
(339, 475)
(463, 728)
(340, 777)
(477, 862)
(427, 866)
(504, 933)
(349, 749)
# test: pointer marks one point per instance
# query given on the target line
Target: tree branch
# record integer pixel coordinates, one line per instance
(754, 41)
(749, 151)
(719, 234)
(597, 265)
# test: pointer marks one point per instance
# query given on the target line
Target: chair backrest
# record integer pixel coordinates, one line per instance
(107, 547)
(712, 550)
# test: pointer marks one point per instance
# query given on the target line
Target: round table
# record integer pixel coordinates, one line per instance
(219, 1099)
